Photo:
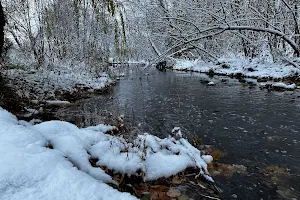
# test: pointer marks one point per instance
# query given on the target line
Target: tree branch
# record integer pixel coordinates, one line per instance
(272, 31)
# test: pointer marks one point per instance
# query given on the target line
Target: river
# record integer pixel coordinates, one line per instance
(254, 128)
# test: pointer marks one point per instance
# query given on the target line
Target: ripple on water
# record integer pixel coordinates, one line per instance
(255, 128)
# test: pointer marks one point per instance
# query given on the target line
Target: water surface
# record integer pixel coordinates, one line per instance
(255, 128)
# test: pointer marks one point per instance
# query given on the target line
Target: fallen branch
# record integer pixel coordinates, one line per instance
(291, 62)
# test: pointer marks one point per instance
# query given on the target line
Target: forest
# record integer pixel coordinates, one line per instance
(93, 31)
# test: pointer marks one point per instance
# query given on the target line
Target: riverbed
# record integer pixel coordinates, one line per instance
(253, 128)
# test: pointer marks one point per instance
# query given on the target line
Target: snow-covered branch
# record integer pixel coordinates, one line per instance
(291, 42)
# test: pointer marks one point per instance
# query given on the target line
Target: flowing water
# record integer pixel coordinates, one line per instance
(254, 128)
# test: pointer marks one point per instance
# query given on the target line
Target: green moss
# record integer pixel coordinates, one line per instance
(117, 42)
(111, 6)
(244, 84)
(123, 28)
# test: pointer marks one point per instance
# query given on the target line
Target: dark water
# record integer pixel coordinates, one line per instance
(255, 128)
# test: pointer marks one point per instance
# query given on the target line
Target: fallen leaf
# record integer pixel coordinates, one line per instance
(241, 169)
(159, 187)
(275, 174)
(178, 180)
(158, 192)
(173, 192)
(146, 197)
(227, 170)
(275, 170)
(119, 178)
(141, 190)
(183, 197)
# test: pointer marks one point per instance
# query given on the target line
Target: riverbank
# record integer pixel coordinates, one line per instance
(53, 155)
(63, 83)
(277, 76)
(36, 94)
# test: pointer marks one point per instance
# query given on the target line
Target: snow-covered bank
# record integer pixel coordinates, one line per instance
(240, 67)
(51, 160)
(278, 86)
(49, 83)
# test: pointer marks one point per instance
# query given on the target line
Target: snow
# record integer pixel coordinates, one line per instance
(110, 60)
(255, 68)
(35, 121)
(34, 101)
(284, 85)
(103, 74)
(31, 170)
(279, 85)
(33, 111)
(66, 77)
(30, 112)
(148, 153)
(162, 165)
(57, 103)
(177, 132)
(207, 158)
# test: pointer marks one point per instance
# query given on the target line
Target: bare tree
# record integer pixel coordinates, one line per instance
(68, 30)
(245, 27)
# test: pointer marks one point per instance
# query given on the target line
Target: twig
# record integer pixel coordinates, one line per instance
(209, 197)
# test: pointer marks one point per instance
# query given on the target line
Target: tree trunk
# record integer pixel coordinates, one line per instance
(2, 24)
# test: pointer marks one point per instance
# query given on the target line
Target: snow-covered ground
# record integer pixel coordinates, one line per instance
(255, 68)
(50, 160)
(46, 83)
